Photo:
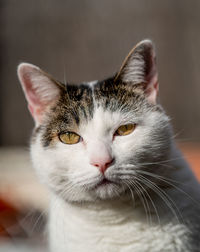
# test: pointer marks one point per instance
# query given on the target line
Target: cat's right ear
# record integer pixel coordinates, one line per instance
(139, 67)
(40, 89)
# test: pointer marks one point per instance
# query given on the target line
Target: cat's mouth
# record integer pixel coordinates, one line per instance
(106, 188)
(104, 182)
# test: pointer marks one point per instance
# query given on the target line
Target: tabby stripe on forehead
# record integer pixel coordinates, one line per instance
(82, 108)
(76, 117)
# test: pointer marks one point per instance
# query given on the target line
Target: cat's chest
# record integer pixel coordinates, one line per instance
(127, 237)
(87, 230)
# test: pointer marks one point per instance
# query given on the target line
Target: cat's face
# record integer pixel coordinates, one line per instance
(92, 139)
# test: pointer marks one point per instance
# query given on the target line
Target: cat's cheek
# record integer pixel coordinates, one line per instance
(124, 146)
(73, 160)
(70, 154)
(56, 164)
(42, 161)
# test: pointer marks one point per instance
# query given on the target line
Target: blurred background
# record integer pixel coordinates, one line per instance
(86, 40)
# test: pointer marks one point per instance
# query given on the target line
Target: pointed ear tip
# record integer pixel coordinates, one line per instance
(24, 67)
(146, 43)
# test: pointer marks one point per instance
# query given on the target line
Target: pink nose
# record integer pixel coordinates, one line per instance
(102, 164)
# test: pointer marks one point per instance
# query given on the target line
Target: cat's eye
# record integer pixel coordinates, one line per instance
(124, 130)
(69, 137)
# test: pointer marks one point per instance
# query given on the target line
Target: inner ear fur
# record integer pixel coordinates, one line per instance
(139, 67)
(40, 89)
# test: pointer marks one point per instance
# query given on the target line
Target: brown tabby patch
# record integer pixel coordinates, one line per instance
(76, 105)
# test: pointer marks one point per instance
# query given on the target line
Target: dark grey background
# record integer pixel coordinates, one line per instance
(88, 39)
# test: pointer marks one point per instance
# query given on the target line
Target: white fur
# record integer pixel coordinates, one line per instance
(110, 226)
(113, 224)
(91, 83)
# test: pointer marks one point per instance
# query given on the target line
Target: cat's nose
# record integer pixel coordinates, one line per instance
(102, 163)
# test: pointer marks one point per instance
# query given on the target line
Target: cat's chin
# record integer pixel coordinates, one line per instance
(104, 190)
(107, 190)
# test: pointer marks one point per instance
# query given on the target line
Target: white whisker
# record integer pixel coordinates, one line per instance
(164, 196)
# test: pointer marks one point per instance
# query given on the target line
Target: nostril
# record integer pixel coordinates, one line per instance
(103, 165)
(109, 163)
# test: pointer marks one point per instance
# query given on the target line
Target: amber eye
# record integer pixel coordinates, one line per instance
(69, 137)
(125, 130)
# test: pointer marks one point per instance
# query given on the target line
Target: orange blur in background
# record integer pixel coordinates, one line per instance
(191, 152)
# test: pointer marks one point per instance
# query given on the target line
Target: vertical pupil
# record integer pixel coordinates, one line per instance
(124, 128)
(70, 136)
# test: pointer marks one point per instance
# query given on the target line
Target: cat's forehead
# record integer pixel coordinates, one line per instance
(101, 104)
(116, 96)
(103, 121)
(80, 102)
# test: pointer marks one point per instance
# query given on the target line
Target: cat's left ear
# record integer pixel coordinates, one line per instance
(40, 89)
(139, 67)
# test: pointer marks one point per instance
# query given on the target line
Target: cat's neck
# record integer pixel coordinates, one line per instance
(109, 211)
(73, 225)
(105, 226)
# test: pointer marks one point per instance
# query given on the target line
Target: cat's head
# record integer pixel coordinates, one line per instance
(92, 139)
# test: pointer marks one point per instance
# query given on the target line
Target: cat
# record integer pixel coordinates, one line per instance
(106, 152)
